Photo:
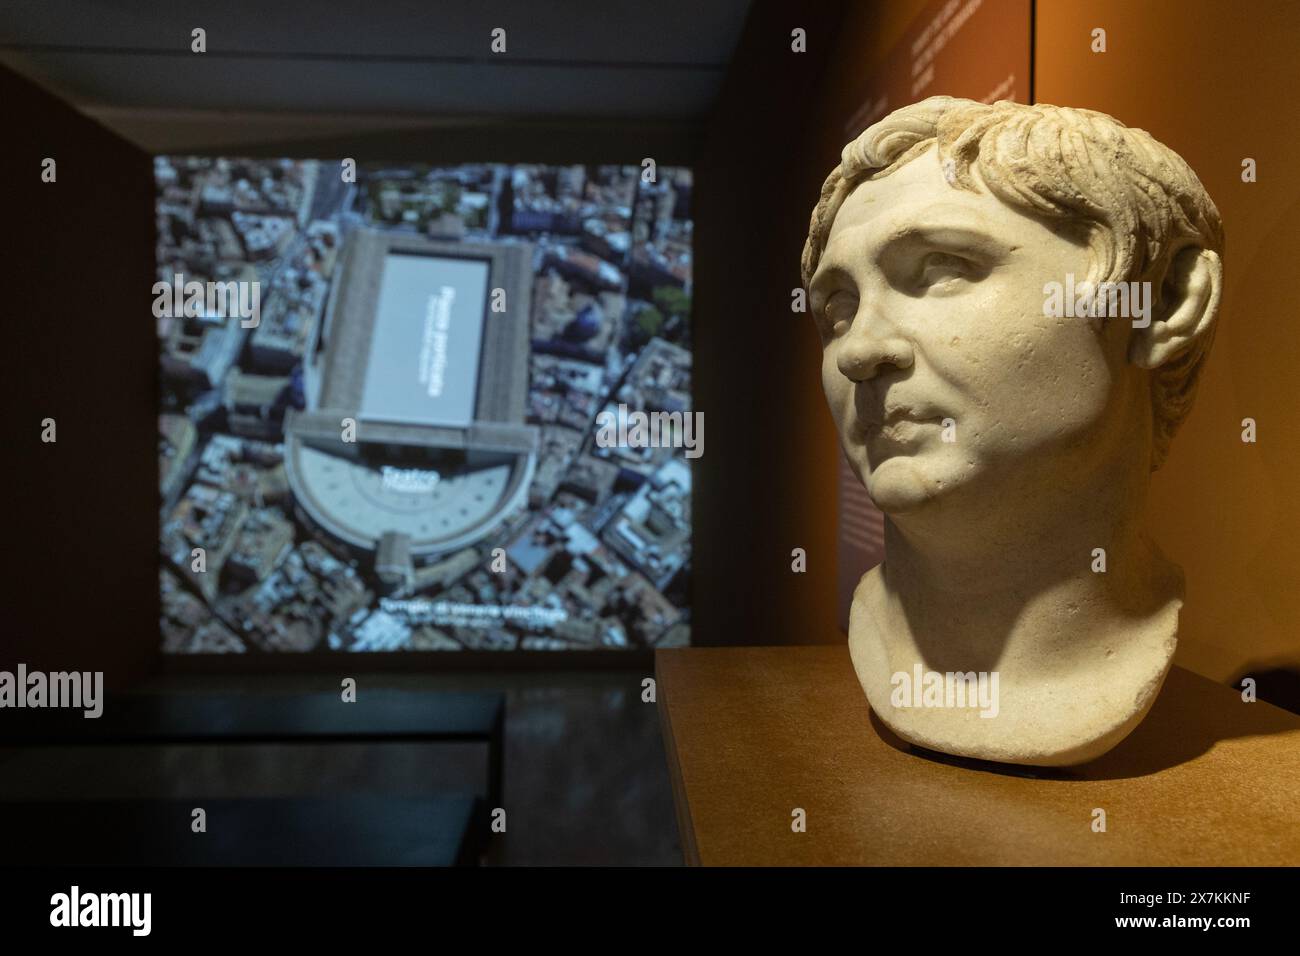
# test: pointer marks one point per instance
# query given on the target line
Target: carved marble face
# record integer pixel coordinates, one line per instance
(930, 304)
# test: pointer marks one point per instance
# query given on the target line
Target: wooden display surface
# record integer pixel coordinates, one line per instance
(752, 733)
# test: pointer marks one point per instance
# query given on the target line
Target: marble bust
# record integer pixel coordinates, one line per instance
(1014, 304)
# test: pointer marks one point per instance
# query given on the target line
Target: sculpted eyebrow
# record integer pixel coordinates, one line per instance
(952, 237)
(826, 272)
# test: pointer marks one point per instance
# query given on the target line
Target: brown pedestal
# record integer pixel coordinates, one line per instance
(752, 734)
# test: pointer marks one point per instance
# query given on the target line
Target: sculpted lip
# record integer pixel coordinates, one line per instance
(896, 415)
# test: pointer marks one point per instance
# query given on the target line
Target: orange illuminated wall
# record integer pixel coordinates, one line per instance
(1216, 82)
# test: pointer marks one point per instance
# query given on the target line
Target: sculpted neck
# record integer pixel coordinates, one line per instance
(997, 578)
(1012, 589)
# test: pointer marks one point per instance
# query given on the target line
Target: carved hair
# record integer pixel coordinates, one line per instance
(1138, 201)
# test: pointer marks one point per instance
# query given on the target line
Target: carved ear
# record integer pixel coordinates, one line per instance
(1189, 303)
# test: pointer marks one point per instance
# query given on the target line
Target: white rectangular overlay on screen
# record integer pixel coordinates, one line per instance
(424, 354)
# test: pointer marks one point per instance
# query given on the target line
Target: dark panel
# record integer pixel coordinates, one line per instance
(80, 560)
(756, 374)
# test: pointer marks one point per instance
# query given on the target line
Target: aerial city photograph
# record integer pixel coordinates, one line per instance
(378, 422)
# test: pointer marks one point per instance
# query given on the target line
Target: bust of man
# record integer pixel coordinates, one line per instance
(1014, 304)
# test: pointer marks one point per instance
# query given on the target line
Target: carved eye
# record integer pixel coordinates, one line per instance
(839, 311)
(942, 270)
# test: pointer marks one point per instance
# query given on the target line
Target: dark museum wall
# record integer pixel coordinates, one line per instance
(81, 547)
(765, 485)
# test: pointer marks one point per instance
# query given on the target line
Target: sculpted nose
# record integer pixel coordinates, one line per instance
(863, 352)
